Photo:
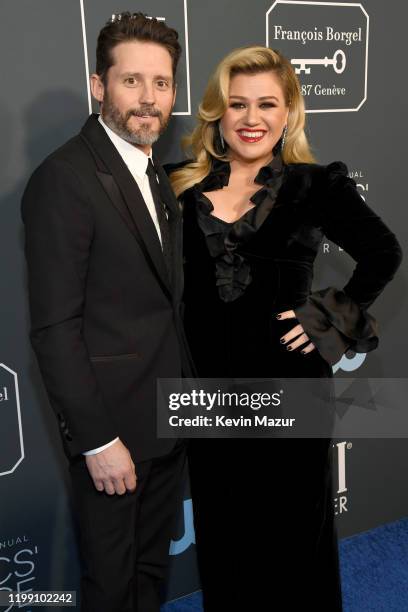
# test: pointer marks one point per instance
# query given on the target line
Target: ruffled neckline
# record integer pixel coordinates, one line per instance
(219, 174)
(233, 273)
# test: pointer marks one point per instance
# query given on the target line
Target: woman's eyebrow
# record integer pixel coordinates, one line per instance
(260, 98)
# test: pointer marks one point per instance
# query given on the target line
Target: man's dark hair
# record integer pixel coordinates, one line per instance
(128, 27)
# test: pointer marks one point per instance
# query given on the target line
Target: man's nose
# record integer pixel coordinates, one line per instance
(147, 94)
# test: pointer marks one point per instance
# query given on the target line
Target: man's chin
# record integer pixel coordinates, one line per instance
(143, 139)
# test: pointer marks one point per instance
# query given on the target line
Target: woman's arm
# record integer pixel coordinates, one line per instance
(337, 319)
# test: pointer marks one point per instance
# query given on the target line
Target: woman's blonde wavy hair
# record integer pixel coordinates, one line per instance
(202, 142)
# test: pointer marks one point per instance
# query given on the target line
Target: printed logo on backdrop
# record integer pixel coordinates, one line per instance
(94, 15)
(361, 181)
(327, 43)
(18, 559)
(11, 433)
(188, 538)
(349, 362)
(340, 501)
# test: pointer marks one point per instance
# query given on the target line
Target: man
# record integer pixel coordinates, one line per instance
(103, 248)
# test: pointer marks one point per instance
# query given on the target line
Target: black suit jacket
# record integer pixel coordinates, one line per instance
(105, 323)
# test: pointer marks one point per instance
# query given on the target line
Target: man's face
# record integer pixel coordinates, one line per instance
(138, 95)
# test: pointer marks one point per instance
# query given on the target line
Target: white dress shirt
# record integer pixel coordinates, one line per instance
(137, 162)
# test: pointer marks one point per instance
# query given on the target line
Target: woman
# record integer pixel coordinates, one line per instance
(256, 207)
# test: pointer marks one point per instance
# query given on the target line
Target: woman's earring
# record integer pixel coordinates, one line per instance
(284, 137)
(221, 137)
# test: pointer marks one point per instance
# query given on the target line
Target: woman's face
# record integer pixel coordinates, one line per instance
(256, 115)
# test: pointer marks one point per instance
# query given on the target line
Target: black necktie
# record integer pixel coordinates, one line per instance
(161, 216)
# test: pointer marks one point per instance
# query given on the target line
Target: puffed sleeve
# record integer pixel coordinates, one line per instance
(337, 319)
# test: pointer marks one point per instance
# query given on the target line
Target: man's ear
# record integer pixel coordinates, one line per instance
(97, 87)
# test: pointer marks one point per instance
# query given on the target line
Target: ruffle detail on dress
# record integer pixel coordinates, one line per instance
(232, 270)
(335, 323)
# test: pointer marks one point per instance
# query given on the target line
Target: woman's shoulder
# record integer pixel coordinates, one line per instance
(169, 168)
(321, 175)
(332, 168)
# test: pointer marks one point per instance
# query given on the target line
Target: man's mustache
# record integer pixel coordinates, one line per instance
(142, 112)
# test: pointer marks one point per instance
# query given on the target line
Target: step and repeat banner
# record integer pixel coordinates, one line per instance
(350, 59)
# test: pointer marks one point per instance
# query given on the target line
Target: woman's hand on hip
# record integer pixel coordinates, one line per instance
(296, 332)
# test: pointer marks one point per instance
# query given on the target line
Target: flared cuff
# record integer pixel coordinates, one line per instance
(335, 323)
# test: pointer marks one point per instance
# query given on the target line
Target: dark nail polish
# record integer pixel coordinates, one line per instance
(303, 352)
(289, 348)
(278, 316)
(283, 340)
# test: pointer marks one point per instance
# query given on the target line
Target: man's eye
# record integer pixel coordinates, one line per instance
(162, 84)
(130, 80)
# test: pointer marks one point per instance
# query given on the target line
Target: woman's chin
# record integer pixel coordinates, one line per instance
(249, 155)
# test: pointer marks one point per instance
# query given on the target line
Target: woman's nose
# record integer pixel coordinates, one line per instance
(252, 115)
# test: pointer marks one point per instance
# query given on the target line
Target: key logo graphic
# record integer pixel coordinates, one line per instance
(327, 44)
(304, 65)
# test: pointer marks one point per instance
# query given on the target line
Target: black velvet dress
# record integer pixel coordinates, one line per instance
(263, 508)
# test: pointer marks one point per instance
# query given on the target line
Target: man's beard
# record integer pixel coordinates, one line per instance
(118, 122)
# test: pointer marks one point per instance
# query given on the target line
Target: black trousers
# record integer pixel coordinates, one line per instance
(125, 539)
(264, 522)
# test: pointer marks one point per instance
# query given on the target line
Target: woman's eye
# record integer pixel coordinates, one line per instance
(262, 105)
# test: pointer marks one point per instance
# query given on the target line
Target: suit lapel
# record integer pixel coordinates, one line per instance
(166, 191)
(124, 194)
(175, 220)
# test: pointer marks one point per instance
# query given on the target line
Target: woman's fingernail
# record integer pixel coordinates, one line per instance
(282, 340)
(278, 316)
(289, 348)
(303, 352)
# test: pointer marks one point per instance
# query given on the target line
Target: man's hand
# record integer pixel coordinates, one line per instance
(113, 470)
(294, 332)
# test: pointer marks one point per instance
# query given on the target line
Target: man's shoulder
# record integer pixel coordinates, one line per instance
(70, 161)
(68, 165)
(72, 152)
